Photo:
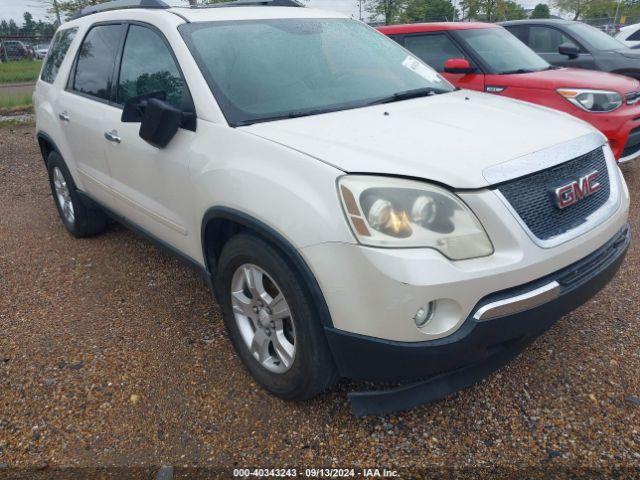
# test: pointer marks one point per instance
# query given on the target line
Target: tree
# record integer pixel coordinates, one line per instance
(572, 7)
(428, 11)
(389, 10)
(541, 10)
(510, 10)
(492, 10)
(12, 28)
(29, 25)
(53, 9)
(601, 9)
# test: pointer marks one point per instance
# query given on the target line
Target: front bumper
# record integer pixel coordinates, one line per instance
(478, 347)
(622, 129)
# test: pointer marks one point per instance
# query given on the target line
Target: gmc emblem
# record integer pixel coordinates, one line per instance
(573, 192)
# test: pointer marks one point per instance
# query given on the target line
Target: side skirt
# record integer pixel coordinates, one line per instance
(194, 264)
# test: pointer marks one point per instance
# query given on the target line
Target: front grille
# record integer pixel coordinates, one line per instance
(533, 200)
(633, 143)
(632, 98)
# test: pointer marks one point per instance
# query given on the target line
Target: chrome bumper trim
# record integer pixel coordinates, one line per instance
(519, 303)
(629, 158)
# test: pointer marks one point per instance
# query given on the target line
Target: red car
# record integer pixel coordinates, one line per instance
(485, 57)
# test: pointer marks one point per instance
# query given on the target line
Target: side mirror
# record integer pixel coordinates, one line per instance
(569, 49)
(134, 107)
(458, 65)
(159, 120)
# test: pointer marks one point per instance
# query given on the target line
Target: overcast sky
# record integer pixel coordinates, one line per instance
(15, 8)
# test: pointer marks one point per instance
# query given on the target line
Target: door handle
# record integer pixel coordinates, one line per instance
(112, 136)
(64, 116)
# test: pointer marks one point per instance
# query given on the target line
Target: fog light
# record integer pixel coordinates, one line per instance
(424, 314)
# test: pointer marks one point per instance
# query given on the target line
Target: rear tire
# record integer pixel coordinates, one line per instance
(273, 325)
(80, 220)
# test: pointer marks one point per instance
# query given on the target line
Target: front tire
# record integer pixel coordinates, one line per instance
(271, 320)
(79, 219)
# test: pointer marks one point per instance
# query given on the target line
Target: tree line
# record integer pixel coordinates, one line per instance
(29, 27)
(400, 11)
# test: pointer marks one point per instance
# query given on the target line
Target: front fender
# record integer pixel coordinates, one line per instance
(290, 192)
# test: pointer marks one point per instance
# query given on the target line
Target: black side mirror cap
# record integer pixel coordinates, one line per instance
(160, 122)
(134, 108)
(569, 49)
(157, 118)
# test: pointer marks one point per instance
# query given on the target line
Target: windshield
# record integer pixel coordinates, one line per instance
(502, 52)
(261, 70)
(596, 38)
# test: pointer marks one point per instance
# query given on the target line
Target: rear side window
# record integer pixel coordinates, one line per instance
(520, 31)
(635, 36)
(148, 66)
(433, 49)
(57, 52)
(547, 40)
(95, 61)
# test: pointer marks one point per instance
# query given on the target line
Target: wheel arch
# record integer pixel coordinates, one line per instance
(46, 145)
(220, 224)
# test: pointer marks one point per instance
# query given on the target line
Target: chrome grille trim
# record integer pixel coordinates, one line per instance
(596, 218)
(543, 159)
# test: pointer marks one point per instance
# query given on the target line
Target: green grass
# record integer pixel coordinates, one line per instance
(14, 101)
(20, 71)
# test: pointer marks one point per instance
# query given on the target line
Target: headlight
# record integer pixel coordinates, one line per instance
(593, 100)
(391, 212)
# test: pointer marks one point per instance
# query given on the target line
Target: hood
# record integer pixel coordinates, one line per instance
(570, 78)
(627, 53)
(450, 138)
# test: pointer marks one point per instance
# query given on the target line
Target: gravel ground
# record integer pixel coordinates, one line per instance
(112, 353)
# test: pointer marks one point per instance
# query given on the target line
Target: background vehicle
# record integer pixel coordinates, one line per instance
(14, 50)
(566, 43)
(630, 35)
(40, 50)
(352, 212)
(486, 57)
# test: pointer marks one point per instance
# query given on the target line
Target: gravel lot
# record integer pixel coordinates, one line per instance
(112, 353)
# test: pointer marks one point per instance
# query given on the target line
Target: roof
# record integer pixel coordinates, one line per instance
(433, 27)
(197, 14)
(250, 13)
(541, 21)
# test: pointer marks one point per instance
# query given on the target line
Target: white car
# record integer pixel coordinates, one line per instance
(41, 50)
(630, 35)
(353, 213)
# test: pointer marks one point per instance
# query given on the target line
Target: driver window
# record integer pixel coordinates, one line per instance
(148, 66)
(547, 40)
(434, 49)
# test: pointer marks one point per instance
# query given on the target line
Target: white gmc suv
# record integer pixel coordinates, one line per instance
(353, 213)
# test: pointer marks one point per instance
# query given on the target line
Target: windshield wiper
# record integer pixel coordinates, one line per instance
(419, 92)
(409, 94)
(285, 116)
(518, 70)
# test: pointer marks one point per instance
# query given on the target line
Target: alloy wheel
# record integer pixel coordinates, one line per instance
(63, 195)
(264, 318)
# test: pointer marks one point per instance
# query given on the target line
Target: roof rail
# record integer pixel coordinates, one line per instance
(255, 3)
(117, 5)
